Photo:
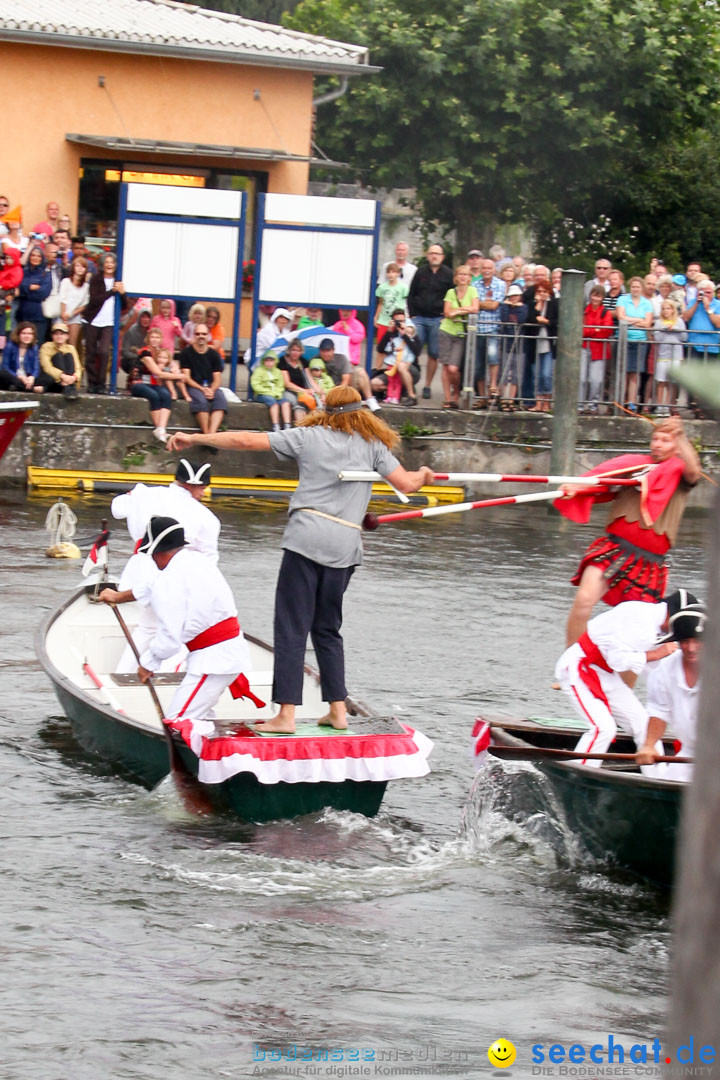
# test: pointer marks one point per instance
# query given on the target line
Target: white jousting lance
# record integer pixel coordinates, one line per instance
(503, 478)
(371, 521)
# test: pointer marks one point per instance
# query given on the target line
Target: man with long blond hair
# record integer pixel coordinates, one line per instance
(322, 541)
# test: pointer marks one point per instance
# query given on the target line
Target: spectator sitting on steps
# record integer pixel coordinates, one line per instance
(340, 371)
(61, 370)
(202, 368)
(268, 387)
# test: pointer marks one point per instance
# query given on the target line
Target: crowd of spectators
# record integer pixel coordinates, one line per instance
(59, 302)
(652, 322)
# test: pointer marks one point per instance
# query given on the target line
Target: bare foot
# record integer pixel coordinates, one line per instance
(336, 717)
(276, 726)
(339, 723)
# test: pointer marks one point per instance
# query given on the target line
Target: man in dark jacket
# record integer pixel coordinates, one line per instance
(425, 305)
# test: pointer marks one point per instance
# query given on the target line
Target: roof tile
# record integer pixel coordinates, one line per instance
(175, 26)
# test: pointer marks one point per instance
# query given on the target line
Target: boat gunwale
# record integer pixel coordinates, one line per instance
(355, 708)
(588, 772)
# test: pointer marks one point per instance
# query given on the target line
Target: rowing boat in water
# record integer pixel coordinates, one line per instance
(619, 814)
(258, 777)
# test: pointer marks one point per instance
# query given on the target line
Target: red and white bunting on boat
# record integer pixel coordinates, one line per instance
(305, 759)
(479, 742)
(98, 557)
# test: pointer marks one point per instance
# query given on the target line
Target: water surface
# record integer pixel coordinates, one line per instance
(139, 944)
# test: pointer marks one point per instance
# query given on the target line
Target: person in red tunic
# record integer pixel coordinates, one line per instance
(628, 561)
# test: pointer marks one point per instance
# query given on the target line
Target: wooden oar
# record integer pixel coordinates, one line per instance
(188, 786)
(371, 521)
(502, 478)
(538, 753)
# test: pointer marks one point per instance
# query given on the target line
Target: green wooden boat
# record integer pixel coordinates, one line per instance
(619, 814)
(257, 777)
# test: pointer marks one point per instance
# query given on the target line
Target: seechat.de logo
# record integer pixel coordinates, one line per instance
(615, 1053)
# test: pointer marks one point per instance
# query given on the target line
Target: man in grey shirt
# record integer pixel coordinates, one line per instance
(341, 372)
(322, 541)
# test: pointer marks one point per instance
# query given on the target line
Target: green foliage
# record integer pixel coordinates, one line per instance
(269, 11)
(408, 430)
(134, 455)
(513, 110)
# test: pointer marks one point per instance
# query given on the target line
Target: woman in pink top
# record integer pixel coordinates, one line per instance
(349, 324)
(170, 325)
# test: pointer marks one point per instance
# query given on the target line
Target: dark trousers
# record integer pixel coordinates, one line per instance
(98, 340)
(8, 381)
(65, 363)
(308, 600)
(527, 390)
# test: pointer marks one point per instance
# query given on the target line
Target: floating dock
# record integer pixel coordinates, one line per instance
(97, 482)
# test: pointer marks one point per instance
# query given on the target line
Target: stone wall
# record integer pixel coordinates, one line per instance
(113, 434)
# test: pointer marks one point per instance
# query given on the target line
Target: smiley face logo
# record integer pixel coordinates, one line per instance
(501, 1054)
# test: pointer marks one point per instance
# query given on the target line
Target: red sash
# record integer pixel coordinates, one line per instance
(214, 635)
(592, 659)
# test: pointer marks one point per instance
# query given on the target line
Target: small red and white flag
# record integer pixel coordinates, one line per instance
(480, 740)
(98, 557)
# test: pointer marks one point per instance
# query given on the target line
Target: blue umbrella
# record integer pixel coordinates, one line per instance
(311, 337)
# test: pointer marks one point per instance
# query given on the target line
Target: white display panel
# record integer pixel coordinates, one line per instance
(171, 259)
(318, 210)
(183, 202)
(326, 269)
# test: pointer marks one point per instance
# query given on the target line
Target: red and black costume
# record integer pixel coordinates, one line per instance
(641, 529)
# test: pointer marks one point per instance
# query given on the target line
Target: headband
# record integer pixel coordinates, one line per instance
(353, 406)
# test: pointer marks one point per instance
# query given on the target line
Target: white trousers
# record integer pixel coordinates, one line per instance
(626, 711)
(197, 696)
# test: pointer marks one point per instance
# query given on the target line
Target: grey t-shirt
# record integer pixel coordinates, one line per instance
(337, 367)
(321, 454)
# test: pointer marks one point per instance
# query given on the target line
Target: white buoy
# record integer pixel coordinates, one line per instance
(60, 523)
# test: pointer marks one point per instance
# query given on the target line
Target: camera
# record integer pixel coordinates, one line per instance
(37, 236)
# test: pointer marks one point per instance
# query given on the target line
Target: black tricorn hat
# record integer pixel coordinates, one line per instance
(162, 534)
(189, 474)
(688, 622)
(681, 598)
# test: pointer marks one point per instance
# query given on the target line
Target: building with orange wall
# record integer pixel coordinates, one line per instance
(157, 92)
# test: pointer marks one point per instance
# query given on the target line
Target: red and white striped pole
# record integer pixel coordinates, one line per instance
(504, 478)
(371, 521)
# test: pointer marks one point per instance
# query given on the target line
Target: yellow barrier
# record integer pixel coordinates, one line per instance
(88, 482)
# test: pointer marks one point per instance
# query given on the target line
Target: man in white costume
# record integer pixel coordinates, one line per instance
(674, 695)
(194, 607)
(136, 582)
(180, 500)
(624, 638)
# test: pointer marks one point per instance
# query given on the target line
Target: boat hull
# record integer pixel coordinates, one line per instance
(140, 753)
(622, 817)
(629, 819)
(143, 756)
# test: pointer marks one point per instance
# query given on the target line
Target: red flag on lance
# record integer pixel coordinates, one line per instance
(98, 557)
(479, 742)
